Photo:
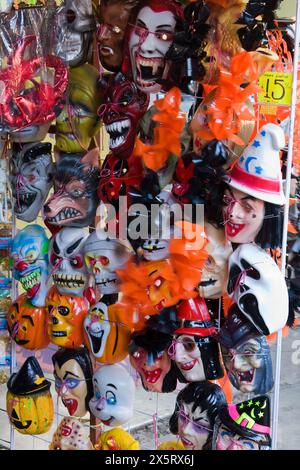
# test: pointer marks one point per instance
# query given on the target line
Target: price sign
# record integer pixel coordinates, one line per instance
(276, 88)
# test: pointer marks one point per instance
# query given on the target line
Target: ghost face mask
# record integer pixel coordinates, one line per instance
(30, 262)
(258, 287)
(149, 41)
(66, 258)
(215, 271)
(103, 257)
(31, 172)
(124, 106)
(76, 24)
(114, 393)
(243, 216)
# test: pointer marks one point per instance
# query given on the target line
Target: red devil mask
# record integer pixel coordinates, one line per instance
(124, 107)
(184, 172)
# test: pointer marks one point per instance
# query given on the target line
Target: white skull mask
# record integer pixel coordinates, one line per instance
(97, 327)
(103, 256)
(31, 171)
(76, 26)
(215, 270)
(66, 259)
(114, 393)
(258, 287)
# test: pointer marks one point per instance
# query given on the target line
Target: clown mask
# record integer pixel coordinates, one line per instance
(29, 254)
(79, 122)
(66, 315)
(66, 258)
(124, 106)
(149, 40)
(113, 18)
(31, 172)
(114, 393)
(75, 200)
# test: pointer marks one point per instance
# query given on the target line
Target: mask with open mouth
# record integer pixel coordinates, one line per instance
(69, 272)
(71, 434)
(75, 200)
(150, 37)
(124, 105)
(30, 262)
(31, 172)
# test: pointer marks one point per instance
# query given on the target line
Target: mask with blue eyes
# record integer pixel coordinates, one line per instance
(114, 393)
(30, 264)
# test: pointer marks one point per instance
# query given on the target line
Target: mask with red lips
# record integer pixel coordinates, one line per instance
(124, 106)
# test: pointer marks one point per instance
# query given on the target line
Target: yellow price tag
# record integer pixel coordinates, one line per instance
(276, 88)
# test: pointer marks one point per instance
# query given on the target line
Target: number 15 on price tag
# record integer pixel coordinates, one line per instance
(276, 88)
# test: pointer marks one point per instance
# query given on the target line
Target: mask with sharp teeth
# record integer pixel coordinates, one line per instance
(123, 107)
(246, 354)
(29, 255)
(75, 200)
(31, 172)
(66, 258)
(150, 37)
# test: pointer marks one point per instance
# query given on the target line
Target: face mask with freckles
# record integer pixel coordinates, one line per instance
(243, 216)
(194, 427)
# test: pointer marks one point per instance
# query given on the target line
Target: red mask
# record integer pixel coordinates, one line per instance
(124, 107)
(181, 180)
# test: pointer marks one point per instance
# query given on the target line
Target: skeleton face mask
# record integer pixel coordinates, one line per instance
(258, 287)
(214, 274)
(114, 393)
(149, 41)
(66, 259)
(30, 262)
(103, 257)
(76, 26)
(31, 171)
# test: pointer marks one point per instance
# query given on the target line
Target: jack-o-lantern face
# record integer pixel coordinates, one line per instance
(66, 315)
(27, 324)
(106, 336)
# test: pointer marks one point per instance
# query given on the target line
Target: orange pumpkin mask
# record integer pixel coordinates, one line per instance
(66, 315)
(106, 336)
(27, 324)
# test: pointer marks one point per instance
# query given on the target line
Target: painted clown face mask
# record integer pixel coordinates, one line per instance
(243, 216)
(31, 172)
(149, 41)
(114, 393)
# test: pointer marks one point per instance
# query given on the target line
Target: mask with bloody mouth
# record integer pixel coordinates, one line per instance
(149, 357)
(75, 200)
(123, 107)
(30, 262)
(150, 37)
(246, 354)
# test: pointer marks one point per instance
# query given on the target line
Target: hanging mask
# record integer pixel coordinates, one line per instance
(106, 336)
(76, 24)
(149, 357)
(29, 254)
(32, 133)
(113, 17)
(71, 434)
(114, 394)
(215, 271)
(117, 177)
(116, 439)
(258, 287)
(150, 37)
(123, 107)
(74, 201)
(194, 349)
(69, 272)
(79, 122)
(246, 355)
(243, 426)
(195, 412)
(103, 256)
(66, 315)
(31, 172)
(27, 324)
(73, 379)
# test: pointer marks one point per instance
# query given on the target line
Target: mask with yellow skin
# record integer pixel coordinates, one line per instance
(79, 122)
